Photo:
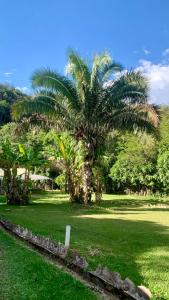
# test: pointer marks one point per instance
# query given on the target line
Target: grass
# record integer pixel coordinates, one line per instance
(25, 275)
(128, 234)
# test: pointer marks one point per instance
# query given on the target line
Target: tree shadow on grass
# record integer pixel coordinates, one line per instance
(137, 249)
(135, 204)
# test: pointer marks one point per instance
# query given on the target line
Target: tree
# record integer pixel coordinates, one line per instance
(67, 155)
(135, 167)
(14, 155)
(91, 102)
(109, 151)
(164, 124)
(8, 96)
(163, 169)
(163, 152)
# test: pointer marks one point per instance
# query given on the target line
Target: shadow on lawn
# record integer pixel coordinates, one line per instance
(131, 247)
(125, 204)
(125, 246)
(136, 204)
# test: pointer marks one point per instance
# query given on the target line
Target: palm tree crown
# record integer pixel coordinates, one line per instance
(91, 99)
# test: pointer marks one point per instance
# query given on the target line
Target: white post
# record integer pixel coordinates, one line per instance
(67, 236)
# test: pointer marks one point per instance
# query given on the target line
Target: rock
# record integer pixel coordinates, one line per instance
(113, 278)
(129, 286)
(62, 251)
(23, 232)
(144, 292)
(110, 281)
(80, 262)
(43, 242)
(116, 280)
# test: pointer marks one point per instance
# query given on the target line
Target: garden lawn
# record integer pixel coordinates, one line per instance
(127, 234)
(26, 275)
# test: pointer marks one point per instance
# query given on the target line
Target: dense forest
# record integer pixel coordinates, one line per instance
(142, 162)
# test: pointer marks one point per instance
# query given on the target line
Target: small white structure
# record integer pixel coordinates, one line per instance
(33, 177)
(67, 236)
(36, 177)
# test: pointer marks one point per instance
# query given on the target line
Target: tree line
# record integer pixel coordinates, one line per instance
(101, 133)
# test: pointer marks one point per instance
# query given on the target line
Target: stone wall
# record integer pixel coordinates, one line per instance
(102, 277)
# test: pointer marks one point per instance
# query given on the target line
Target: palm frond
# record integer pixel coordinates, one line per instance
(150, 112)
(54, 82)
(78, 68)
(44, 105)
(135, 117)
(131, 87)
(26, 108)
(90, 104)
(103, 67)
(108, 69)
(80, 72)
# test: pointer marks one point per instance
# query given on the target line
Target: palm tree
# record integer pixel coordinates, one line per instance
(67, 155)
(91, 101)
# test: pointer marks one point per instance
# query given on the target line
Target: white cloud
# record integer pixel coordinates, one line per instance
(8, 74)
(165, 52)
(146, 51)
(142, 50)
(158, 76)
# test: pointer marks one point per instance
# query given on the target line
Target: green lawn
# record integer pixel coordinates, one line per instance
(25, 275)
(128, 234)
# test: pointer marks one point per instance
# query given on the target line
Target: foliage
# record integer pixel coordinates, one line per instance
(60, 180)
(8, 96)
(68, 156)
(14, 155)
(91, 101)
(135, 166)
(163, 168)
(163, 152)
(164, 124)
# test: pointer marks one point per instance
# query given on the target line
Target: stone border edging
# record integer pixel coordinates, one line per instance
(102, 277)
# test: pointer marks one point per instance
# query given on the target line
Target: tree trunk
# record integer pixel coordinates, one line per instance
(87, 182)
(11, 188)
(79, 194)
(16, 191)
(87, 175)
(25, 192)
(98, 189)
(70, 184)
(71, 187)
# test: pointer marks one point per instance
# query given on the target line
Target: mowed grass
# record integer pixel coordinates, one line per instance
(128, 234)
(25, 275)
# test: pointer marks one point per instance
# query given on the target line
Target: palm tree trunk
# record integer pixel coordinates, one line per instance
(98, 189)
(71, 188)
(25, 194)
(87, 177)
(70, 184)
(87, 182)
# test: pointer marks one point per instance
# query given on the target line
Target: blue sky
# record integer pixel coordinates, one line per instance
(37, 33)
